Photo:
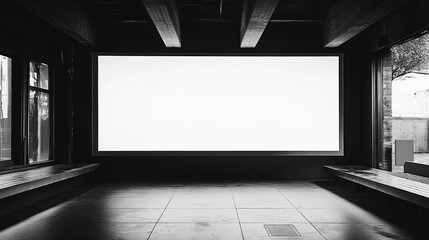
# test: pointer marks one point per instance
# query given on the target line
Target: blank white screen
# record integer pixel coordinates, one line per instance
(218, 103)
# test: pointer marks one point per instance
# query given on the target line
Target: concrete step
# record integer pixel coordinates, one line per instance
(420, 168)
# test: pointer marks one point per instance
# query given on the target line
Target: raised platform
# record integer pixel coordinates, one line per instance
(383, 181)
(418, 167)
(14, 183)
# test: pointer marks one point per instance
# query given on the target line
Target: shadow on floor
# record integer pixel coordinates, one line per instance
(20, 215)
(398, 212)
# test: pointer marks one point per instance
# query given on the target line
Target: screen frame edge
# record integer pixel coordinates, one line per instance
(94, 111)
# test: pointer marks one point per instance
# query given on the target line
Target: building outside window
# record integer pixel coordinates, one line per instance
(406, 99)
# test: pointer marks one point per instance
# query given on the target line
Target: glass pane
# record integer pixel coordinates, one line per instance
(406, 94)
(5, 107)
(39, 75)
(38, 127)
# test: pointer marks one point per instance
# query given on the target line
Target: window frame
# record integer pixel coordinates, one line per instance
(4, 52)
(377, 115)
(50, 93)
(379, 159)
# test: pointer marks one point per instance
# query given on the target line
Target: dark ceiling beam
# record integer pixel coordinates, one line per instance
(106, 3)
(296, 20)
(65, 15)
(166, 19)
(254, 18)
(347, 18)
(216, 20)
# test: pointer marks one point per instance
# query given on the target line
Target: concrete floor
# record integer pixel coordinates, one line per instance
(131, 210)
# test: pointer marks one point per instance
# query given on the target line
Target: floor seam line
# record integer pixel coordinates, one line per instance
(301, 214)
(238, 216)
(156, 223)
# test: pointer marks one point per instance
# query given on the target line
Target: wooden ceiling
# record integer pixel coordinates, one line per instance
(167, 15)
(341, 19)
(224, 11)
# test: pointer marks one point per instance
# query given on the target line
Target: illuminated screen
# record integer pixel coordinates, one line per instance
(218, 104)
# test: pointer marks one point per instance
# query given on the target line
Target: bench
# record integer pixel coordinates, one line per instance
(383, 181)
(13, 183)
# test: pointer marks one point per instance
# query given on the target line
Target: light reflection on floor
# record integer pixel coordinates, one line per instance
(133, 210)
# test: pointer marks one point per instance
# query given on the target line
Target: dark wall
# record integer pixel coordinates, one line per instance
(25, 37)
(213, 38)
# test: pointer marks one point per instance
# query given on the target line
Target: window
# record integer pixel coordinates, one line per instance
(405, 103)
(39, 124)
(5, 108)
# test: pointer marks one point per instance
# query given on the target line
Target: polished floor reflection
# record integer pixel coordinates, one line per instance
(135, 210)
